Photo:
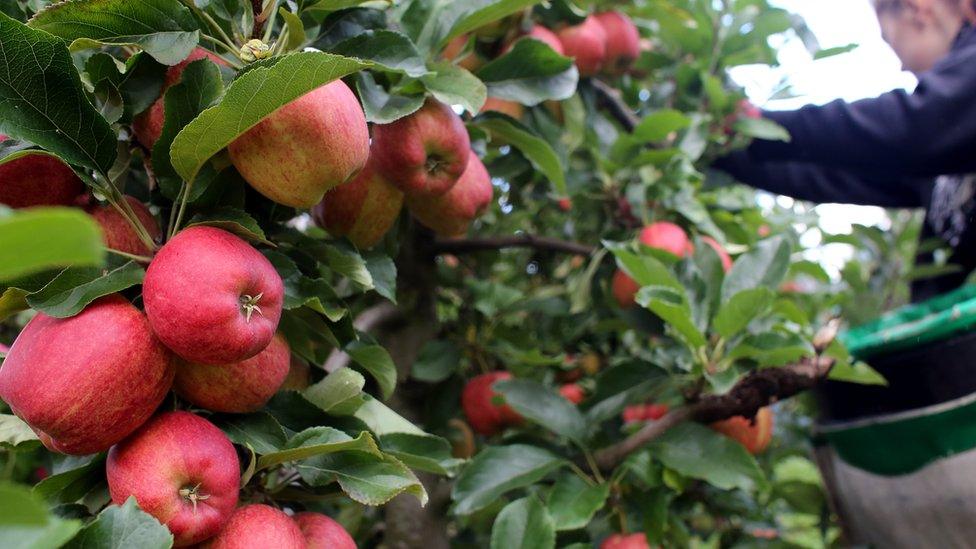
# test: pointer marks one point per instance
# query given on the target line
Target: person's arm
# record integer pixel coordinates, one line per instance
(815, 183)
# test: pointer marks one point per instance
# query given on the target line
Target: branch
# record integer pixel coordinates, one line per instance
(460, 246)
(257, 7)
(367, 321)
(610, 99)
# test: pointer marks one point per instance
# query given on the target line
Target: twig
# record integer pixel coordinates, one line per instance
(610, 457)
(460, 246)
(257, 7)
(367, 321)
(610, 99)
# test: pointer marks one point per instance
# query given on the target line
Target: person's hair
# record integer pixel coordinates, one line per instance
(966, 7)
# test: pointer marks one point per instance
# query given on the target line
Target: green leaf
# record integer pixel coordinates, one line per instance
(382, 107)
(318, 441)
(366, 478)
(698, 452)
(523, 524)
(76, 287)
(43, 101)
(543, 406)
(530, 74)
(573, 503)
(232, 220)
(773, 348)
(375, 360)
(165, 29)
(25, 522)
(73, 479)
(260, 431)
(139, 82)
(535, 149)
(762, 128)
(14, 432)
(837, 50)
(673, 308)
(479, 13)
(765, 265)
(120, 527)
(856, 372)
(424, 452)
(338, 393)
(736, 313)
(381, 420)
(645, 269)
(253, 96)
(497, 470)
(387, 49)
(384, 272)
(658, 125)
(454, 85)
(302, 291)
(43, 238)
(437, 361)
(296, 30)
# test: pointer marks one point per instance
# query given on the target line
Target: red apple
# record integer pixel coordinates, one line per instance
(424, 153)
(655, 411)
(623, 41)
(624, 541)
(300, 151)
(212, 298)
(321, 532)
(632, 414)
(86, 382)
(38, 179)
(470, 61)
(363, 210)
(666, 236)
(259, 527)
(585, 42)
(118, 234)
(754, 434)
(299, 374)
(722, 254)
(572, 392)
(237, 388)
(542, 34)
(480, 404)
(451, 213)
(148, 125)
(182, 470)
(511, 108)
(624, 289)
(746, 109)
(565, 204)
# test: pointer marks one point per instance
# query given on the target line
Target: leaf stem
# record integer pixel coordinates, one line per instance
(127, 255)
(593, 466)
(182, 210)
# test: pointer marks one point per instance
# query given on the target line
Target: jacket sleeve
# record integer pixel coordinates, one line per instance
(815, 183)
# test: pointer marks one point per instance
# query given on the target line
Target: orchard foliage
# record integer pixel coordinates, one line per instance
(385, 319)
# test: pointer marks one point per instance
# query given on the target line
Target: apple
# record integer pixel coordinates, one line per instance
(542, 34)
(300, 151)
(118, 233)
(362, 210)
(512, 108)
(633, 414)
(624, 289)
(624, 541)
(236, 388)
(586, 43)
(482, 406)
(38, 179)
(572, 392)
(148, 125)
(424, 153)
(182, 470)
(299, 374)
(321, 532)
(259, 526)
(451, 213)
(470, 61)
(623, 41)
(212, 298)
(722, 254)
(655, 411)
(664, 235)
(86, 382)
(754, 434)
(565, 204)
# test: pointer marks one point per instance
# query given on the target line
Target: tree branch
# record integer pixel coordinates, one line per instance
(257, 7)
(609, 98)
(460, 246)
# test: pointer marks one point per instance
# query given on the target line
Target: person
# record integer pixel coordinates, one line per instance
(898, 150)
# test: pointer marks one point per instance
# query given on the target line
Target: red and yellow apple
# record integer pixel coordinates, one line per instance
(321, 532)
(362, 210)
(625, 541)
(483, 407)
(451, 213)
(259, 526)
(587, 43)
(754, 434)
(38, 179)
(119, 234)
(623, 41)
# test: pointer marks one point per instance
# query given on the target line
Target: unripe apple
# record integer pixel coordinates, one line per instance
(471, 61)
(38, 179)
(86, 382)
(148, 125)
(321, 532)
(504, 106)
(424, 153)
(623, 41)
(259, 527)
(212, 298)
(624, 541)
(237, 388)
(299, 374)
(542, 34)
(119, 234)
(587, 43)
(482, 407)
(300, 151)
(362, 210)
(572, 392)
(624, 289)
(754, 434)
(722, 254)
(664, 235)
(450, 214)
(182, 470)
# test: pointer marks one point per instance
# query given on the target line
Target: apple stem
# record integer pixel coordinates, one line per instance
(193, 495)
(250, 305)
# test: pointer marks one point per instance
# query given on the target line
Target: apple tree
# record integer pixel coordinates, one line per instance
(411, 274)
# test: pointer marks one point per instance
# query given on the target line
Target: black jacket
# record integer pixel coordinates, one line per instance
(898, 150)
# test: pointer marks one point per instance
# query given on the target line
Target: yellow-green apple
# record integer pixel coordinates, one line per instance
(587, 43)
(362, 210)
(754, 434)
(86, 382)
(212, 298)
(504, 106)
(484, 408)
(148, 125)
(626, 541)
(299, 374)
(259, 526)
(450, 214)
(182, 470)
(300, 151)
(722, 254)
(118, 233)
(235, 388)
(38, 179)
(623, 41)
(321, 532)
(424, 153)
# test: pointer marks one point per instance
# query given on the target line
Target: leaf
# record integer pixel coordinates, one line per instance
(645, 269)
(535, 149)
(382, 107)
(366, 478)
(43, 238)
(375, 360)
(698, 452)
(234, 221)
(497, 470)
(523, 524)
(454, 85)
(302, 291)
(121, 527)
(165, 29)
(296, 30)
(337, 393)
(765, 265)
(762, 128)
(736, 313)
(318, 441)
(387, 49)
(658, 125)
(772, 349)
(437, 361)
(76, 287)
(837, 50)
(253, 96)
(73, 479)
(14, 432)
(42, 99)
(530, 74)
(260, 431)
(856, 372)
(424, 452)
(572, 502)
(482, 12)
(384, 272)
(139, 82)
(673, 308)
(25, 522)
(382, 420)
(543, 406)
